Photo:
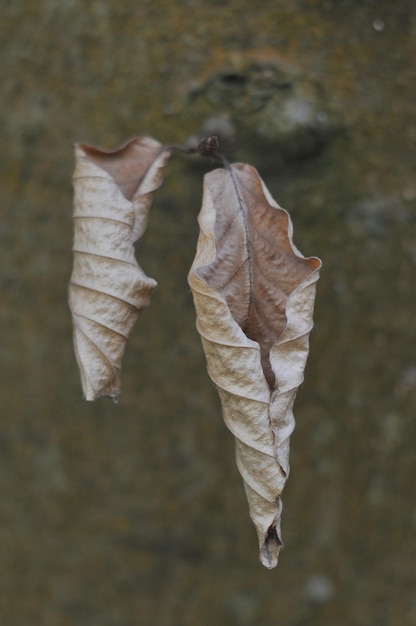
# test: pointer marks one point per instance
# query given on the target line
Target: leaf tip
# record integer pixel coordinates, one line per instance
(90, 394)
(270, 549)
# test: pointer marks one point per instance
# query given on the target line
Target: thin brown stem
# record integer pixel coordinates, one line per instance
(206, 148)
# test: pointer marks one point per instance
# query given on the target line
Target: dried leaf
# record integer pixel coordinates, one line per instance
(254, 295)
(108, 289)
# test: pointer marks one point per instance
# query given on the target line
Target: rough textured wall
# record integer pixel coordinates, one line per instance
(135, 514)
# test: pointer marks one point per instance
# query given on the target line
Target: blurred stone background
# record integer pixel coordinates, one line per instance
(135, 514)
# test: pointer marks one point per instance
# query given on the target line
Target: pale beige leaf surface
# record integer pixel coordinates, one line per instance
(254, 294)
(108, 289)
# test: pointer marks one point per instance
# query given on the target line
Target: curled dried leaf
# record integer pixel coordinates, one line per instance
(254, 294)
(108, 289)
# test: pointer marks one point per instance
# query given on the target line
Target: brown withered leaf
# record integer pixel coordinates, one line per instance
(254, 294)
(108, 289)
